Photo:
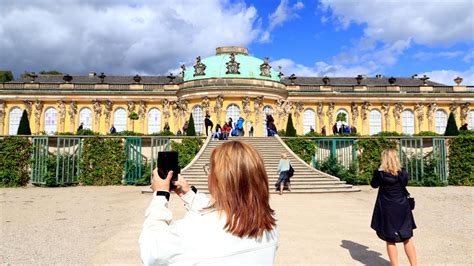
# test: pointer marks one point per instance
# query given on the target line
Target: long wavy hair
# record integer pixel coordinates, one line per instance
(390, 162)
(238, 184)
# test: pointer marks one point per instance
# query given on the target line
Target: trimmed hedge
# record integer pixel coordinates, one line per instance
(461, 159)
(15, 157)
(368, 154)
(304, 148)
(102, 161)
(187, 149)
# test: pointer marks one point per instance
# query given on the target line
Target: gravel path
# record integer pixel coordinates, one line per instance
(100, 225)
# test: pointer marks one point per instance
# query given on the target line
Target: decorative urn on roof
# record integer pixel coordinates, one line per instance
(458, 81)
(102, 77)
(326, 80)
(67, 78)
(392, 80)
(359, 79)
(137, 78)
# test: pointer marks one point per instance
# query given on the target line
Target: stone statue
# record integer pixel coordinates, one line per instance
(28, 106)
(430, 115)
(175, 109)
(218, 107)
(183, 70)
(141, 115)
(109, 105)
(131, 109)
(97, 113)
(38, 112)
(246, 106)
(131, 106)
(386, 115)
(72, 114)
(257, 107)
(320, 113)
(206, 104)
(363, 110)
(397, 112)
(330, 113)
(199, 67)
(166, 110)
(280, 112)
(452, 109)
(355, 113)
(62, 115)
(419, 115)
(2, 115)
(183, 109)
(299, 107)
(464, 113)
(232, 65)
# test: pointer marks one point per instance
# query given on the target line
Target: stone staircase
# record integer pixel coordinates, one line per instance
(305, 180)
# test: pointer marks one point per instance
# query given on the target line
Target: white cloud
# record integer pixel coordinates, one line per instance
(445, 54)
(284, 12)
(447, 76)
(425, 22)
(118, 37)
(319, 69)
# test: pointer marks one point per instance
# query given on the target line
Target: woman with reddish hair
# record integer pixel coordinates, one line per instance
(234, 226)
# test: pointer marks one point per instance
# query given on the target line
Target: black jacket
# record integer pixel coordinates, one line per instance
(392, 213)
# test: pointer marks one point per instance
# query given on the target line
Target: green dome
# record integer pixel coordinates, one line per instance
(216, 67)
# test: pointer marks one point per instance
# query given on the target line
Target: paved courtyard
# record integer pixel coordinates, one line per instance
(100, 225)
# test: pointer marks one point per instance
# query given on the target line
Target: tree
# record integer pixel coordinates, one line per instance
(451, 127)
(290, 129)
(50, 72)
(341, 117)
(24, 127)
(6, 76)
(191, 130)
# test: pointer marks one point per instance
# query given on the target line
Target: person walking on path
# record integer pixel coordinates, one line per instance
(283, 170)
(250, 128)
(235, 226)
(392, 218)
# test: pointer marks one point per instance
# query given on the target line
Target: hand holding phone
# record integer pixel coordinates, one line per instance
(168, 161)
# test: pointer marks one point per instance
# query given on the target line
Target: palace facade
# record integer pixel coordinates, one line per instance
(232, 84)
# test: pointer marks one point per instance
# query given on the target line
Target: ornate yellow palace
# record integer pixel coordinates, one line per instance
(232, 84)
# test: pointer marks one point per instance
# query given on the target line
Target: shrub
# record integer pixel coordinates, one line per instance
(281, 132)
(389, 134)
(133, 116)
(451, 127)
(461, 160)
(102, 161)
(163, 133)
(313, 134)
(290, 128)
(24, 127)
(305, 149)
(187, 149)
(15, 156)
(369, 152)
(191, 130)
(341, 117)
(126, 133)
(86, 132)
(350, 175)
(426, 133)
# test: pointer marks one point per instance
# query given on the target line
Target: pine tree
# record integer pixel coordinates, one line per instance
(191, 130)
(290, 129)
(451, 127)
(24, 127)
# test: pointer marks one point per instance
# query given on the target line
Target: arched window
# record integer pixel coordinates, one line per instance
(51, 121)
(120, 119)
(342, 115)
(154, 121)
(14, 120)
(471, 119)
(198, 118)
(85, 117)
(266, 110)
(441, 119)
(233, 111)
(408, 122)
(375, 121)
(309, 117)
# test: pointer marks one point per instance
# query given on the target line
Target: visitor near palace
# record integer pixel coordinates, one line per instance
(166, 127)
(240, 126)
(236, 227)
(283, 170)
(250, 128)
(393, 218)
(208, 123)
(81, 126)
(113, 130)
(185, 128)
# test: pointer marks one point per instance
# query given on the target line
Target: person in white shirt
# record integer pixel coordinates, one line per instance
(234, 227)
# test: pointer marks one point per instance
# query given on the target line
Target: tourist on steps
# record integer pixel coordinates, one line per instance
(236, 227)
(283, 171)
(208, 123)
(393, 218)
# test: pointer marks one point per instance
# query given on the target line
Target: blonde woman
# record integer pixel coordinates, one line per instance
(235, 227)
(392, 218)
(284, 178)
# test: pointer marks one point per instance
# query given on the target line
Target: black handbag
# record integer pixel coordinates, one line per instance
(291, 171)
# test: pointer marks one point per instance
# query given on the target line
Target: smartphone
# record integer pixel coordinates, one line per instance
(168, 161)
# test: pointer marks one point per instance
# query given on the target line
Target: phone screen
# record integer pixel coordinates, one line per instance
(168, 161)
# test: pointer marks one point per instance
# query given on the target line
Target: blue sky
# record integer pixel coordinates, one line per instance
(305, 37)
